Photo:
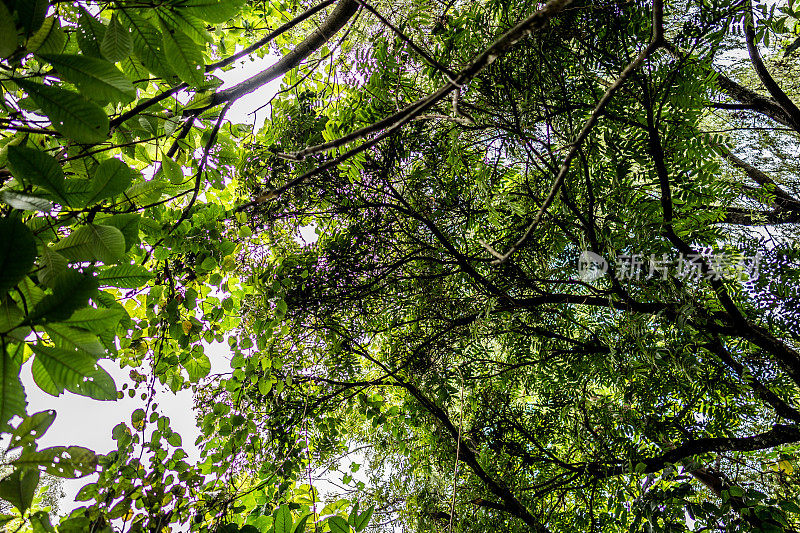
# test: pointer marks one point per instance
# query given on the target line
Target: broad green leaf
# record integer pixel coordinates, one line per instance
(98, 385)
(214, 11)
(283, 520)
(8, 32)
(31, 428)
(300, 527)
(362, 520)
(111, 178)
(12, 395)
(147, 44)
(97, 78)
(72, 291)
(184, 56)
(90, 34)
(34, 167)
(93, 242)
(49, 39)
(19, 487)
(56, 369)
(183, 21)
(40, 521)
(68, 338)
(125, 276)
(17, 252)
(31, 13)
(25, 202)
(134, 70)
(11, 316)
(144, 192)
(71, 114)
(52, 265)
(117, 41)
(31, 292)
(97, 320)
(128, 224)
(172, 170)
(197, 368)
(61, 461)
(338, 525)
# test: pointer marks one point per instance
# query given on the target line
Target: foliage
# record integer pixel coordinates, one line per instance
(437, 338)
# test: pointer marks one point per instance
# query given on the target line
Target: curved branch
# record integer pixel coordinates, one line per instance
(344, 11)
(769, 82)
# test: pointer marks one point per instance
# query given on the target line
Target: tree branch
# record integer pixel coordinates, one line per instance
(656, 42)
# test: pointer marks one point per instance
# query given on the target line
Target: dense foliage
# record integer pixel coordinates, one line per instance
(553, 284)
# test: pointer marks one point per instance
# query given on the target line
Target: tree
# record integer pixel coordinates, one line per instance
(456, 161)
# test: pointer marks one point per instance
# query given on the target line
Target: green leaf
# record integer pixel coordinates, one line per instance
(25, 202)
(31, 13)
(172, 170)
(338, 525)
(90, 34)
(71, 114)
(40, 521)
(19, 487)
(72, 291)
(111, 178)
(97, 320)
(214, 11)
(69, 338)
(34, 167)
(147, 44)
(17, 252)
(11, 316)
(98, 385)
(8, 32)
(12, 395)
(61, 461)
(184, 56)
(128, 224)
(362, 520)
(182, 20)
(117, 42)
(300, 527)
(93, 242)
(49, 39)
(52, 266)
(125, 276)
(283, 520)
(95, 77)
(144, 192)
(197, 367)
(31, 428)
(56, 369)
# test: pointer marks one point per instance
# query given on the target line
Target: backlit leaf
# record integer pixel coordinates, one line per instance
(71, 114)
(17, 252)
(95, 77)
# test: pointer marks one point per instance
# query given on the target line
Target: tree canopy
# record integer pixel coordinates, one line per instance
(553, 283)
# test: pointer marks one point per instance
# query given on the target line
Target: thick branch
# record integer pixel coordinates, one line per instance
(769, 82)
(778, 435)
(783, 199)
(343, 12)
(753, 100)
